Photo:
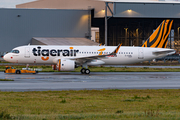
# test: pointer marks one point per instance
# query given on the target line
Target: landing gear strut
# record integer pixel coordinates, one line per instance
(85, 71)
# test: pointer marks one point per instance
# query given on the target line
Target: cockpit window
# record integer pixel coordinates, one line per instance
(15, 51)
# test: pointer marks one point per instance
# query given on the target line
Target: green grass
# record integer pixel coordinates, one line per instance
(6, 80)
(127, 69)
(91, 104)
(104, 69)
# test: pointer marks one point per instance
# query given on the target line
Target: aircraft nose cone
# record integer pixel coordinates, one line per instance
(5, 57)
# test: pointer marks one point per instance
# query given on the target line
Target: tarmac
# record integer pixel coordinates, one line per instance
(45, 81)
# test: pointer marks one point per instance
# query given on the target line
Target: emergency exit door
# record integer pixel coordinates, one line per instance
(140, 54)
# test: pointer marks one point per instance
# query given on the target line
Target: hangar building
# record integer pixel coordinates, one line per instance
(55, 21)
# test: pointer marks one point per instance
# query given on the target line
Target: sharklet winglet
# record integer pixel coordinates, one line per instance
(116, 50)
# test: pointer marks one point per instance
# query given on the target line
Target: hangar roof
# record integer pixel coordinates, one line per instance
(139, 8)
(63, 41)
(141, 1)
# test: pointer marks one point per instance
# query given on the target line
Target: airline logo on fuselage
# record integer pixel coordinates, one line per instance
(45, 53)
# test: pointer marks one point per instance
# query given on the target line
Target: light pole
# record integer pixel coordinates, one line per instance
(106, 18)
(106, 23)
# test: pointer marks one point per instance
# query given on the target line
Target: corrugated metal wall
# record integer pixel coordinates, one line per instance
(141, 10)
(19, 26)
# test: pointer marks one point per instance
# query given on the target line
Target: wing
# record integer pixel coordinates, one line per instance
(85, 59)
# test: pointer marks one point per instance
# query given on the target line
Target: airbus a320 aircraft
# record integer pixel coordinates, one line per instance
(66, 58)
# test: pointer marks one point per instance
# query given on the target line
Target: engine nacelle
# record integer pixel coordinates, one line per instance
(65, 65)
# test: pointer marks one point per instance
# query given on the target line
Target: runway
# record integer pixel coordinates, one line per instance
(96, 80)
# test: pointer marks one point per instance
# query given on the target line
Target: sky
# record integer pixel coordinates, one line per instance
(12, 3)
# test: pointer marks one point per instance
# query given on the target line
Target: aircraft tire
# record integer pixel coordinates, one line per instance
(35, 72)
(87, 71)
(18, 72)
(83, 71)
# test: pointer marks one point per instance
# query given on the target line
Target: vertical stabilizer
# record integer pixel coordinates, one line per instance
(159, 37)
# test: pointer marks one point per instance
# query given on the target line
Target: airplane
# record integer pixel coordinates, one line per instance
(67, 58)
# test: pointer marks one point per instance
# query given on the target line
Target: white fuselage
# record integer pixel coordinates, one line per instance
(50, 54)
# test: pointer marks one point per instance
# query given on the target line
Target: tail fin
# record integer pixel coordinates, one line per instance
(159, 37)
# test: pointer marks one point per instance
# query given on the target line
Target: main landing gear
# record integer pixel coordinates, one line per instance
(85, 71)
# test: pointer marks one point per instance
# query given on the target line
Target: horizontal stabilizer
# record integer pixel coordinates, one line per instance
(162, 52)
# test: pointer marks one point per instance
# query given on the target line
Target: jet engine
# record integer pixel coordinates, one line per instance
(64, 65)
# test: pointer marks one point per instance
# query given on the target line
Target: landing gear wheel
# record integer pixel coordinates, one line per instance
(83, 71)
(18, 72)
(87, 71)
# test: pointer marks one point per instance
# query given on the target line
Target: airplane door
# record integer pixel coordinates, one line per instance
(27, 52)
(140, 54)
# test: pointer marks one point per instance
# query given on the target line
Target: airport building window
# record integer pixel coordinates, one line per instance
(97, 37)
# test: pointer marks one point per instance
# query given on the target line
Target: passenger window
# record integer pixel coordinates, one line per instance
(131, 52)
(121, 52)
